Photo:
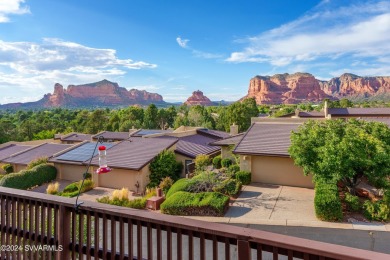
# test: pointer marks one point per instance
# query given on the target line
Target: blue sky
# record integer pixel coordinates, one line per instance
(176, 47)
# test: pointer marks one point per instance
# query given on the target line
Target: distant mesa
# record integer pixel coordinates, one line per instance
(304, 87)
(198, 98)
(99, 94)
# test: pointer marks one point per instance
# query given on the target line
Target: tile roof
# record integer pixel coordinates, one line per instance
(194, 145)
(76, 137)
(44, 150)
(311, 114)
(272, 139)
(12, 149)
(108, 135)
(233, 140)
(143, 132)
(134, 154)
(213, 133)
(79, 154)
(385, 120)
(360, 111)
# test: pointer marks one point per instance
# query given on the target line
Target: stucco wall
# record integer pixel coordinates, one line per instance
(226, 152)
(18, 167)
(245, 163)
(121, 178)
(278, 170)
(70, 172)
(181, 158)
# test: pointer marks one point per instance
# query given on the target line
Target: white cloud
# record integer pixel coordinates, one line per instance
(9, 7)
(197, 53)
(149, 88)
(28, 68)
(358, 30)
(182, 42)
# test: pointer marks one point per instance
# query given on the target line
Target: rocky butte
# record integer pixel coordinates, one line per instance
(304, 87)
(198, 98)
(100, 94)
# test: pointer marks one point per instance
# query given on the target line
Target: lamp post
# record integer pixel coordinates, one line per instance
(103, 168)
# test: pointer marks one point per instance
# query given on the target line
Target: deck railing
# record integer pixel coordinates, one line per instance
(40, 226)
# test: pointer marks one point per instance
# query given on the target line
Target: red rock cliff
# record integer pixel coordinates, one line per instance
(198, 98)
(304, 87)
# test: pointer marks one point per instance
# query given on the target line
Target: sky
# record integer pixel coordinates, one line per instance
(176, 47)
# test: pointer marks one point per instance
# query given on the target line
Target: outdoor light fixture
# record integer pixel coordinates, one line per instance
(103, 168)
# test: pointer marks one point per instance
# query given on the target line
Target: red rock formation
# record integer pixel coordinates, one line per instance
(198, 98)
(303, 87)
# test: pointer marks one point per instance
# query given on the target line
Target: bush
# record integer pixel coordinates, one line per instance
(226, 162)
(229, 187)
(120, 194)
(217, 162)
(72, 190)
(119, 199)
(195, 204)
(244, 177)
(352, 202)
(52, 188)
(233, 169)
(8, 168)
(180, 185)
(36, 162)
(327, 202)
(164, 165)
(376, 210)
(166, 184)
(201, 162)
(386, 197)
(29, 178)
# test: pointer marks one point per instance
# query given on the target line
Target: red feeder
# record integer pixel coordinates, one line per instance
(103, 168)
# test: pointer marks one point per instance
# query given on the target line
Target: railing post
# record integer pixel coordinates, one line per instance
(64, 232)
(243, 250)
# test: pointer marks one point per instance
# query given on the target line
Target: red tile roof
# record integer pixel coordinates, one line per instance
(12, 149)
(43, 150)
(135, 153)
(270, 139)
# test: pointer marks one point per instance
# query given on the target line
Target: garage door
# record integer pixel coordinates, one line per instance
(280, 171)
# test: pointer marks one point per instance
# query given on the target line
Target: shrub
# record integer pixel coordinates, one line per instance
(233, 169)
(352, 202)
(36, 162)
(327, 202)
(201, 162)
(229, 187)
(8, 168)
(180, 185)
(88, 175)
(217, 162)
(29, 178)
(226, 162)
(244, 177)
(195, 204)
(120, 194)
(119, 199)
(386, 197)
(72, 190)
(164, 165)
(52, 188)
(166, 184)
(376, 210)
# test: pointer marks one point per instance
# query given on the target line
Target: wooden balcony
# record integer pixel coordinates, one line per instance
(99, 231)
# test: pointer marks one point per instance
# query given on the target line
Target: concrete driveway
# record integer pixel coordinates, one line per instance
(262, 202)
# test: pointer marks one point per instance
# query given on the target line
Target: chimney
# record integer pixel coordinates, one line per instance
(233, 129)
(326, 108)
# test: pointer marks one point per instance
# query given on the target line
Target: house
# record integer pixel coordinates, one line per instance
(20, 160)
(9, 150)
(129, 161)
(263, 151)
(71, 164)
(73, 138)
(113, 136)
(227, 144)
(334, 113)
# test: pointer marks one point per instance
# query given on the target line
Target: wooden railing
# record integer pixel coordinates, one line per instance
(51, 225)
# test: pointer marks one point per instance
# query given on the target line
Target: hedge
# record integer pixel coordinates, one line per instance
(72, 190)
(244, 177)
(327, 203)
(195, 204)
(229, 187)
(26, 179)
(217, 162)
(8, 168)
(180, 185)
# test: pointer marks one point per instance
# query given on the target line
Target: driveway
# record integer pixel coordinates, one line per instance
(272, 202)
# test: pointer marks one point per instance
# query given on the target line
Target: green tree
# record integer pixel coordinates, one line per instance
(150, 118)
(164, 165)
(343, 151)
